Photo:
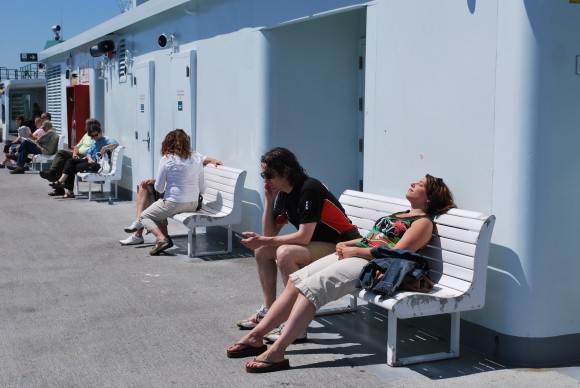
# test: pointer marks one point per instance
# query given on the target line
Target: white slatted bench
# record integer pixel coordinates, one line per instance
(457, 255)
(222, 205)
(113, 176)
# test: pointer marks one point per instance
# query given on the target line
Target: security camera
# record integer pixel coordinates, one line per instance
(162, 40)
(56, 30)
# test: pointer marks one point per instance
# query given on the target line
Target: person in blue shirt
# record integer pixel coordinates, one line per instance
(99, 145)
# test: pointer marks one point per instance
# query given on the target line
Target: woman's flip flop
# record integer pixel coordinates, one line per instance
(270, 366)
(246, 351)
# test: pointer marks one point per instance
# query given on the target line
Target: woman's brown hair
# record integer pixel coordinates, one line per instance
(177, 143)
(439, 195)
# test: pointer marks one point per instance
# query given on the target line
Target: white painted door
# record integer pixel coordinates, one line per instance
(183, 88)
(142, 164)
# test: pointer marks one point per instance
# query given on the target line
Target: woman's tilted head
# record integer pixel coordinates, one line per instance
(440, 198)
(177, 143)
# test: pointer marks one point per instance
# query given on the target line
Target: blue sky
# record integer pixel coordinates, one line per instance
(26, 25)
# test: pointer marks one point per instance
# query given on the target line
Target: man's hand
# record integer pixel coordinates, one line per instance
(253, 240)
(146, 182)
(269, 193)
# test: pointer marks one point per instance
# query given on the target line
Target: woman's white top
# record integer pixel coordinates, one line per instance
(180, 179)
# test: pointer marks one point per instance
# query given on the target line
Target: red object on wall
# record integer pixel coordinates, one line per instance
(78, 110)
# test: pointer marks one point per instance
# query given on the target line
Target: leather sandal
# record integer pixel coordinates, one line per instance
(56, 193)
(68, 195)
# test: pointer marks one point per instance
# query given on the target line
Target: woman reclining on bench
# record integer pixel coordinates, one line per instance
(335, 275)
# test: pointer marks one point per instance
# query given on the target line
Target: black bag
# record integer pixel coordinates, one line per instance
(93, 167)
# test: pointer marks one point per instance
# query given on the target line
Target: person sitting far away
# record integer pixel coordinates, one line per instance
(11, 147)
(335, 275)
(146, 195)
(180, 177)
(292, 196)
(99, 145)
(79, 152)
(46, 144)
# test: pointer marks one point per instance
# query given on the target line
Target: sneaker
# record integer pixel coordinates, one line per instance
(161, 246)
(12, 167)
(132, 240)
(250, 323)
(275, 334)
(18, 170)
(135, 226)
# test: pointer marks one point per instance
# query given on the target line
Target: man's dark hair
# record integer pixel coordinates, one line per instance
(283, 162)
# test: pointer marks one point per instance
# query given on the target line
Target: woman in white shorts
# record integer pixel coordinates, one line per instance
(180, 178)
(335, 275)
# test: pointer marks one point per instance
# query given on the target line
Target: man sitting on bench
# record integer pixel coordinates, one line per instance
(292, 196)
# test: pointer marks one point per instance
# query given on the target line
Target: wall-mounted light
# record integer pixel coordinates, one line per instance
(170, 40)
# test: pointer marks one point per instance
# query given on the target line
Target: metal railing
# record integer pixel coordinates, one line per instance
(30, 71)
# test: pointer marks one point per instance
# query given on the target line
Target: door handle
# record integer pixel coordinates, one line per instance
(148, 140)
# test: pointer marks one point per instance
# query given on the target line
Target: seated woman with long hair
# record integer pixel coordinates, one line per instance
(180, 178)
(335, 275)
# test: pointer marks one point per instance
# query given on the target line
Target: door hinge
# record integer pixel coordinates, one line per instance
(360, 62)
(360, 104)
(361, 145)
(360, 185)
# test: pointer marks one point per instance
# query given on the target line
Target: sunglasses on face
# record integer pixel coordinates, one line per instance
(266, 175)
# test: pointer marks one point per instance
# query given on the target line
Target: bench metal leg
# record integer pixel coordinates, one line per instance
(191, 245)
(392, 344)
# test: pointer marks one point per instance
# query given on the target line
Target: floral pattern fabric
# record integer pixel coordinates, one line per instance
(388, 230)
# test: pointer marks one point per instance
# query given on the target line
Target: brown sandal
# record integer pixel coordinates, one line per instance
(67, 195)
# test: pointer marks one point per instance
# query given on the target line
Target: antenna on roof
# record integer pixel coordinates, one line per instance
(125, 5)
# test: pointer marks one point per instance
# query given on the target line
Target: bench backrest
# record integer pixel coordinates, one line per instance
(60, 145)
(116, 163)
(458, 251)
(224, 190)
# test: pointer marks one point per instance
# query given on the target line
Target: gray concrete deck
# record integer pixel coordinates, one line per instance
(79, 310)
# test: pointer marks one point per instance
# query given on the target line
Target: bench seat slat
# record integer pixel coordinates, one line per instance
(468, 236)
(436, 257)
(444, 280)
(446, 244)
(219, 187)
(460, 222)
